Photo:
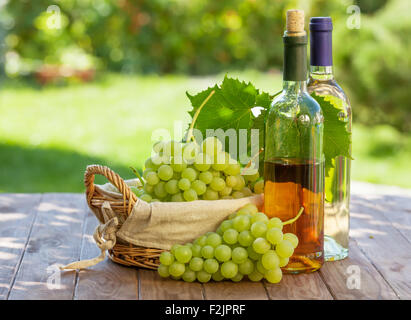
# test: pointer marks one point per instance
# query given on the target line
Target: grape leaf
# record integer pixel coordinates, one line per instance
(337, 138)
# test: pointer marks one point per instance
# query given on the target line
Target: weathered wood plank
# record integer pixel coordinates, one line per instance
(106, 280)
(153, 287)
(55, 239)
(17, 214)
(383, 244)
(299, 287)
(356, 278)
(227, 290)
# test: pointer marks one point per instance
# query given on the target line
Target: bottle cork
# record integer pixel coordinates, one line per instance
(295, 23)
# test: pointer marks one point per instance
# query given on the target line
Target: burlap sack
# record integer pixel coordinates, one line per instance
(159, 224)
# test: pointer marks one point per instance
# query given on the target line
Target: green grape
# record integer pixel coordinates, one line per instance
(245, 238)
(211, 266)
(226, 191)
(189, 173)
(231, 181)
(292, 238)
(172, 148)
(239, 255)
(202, 162)
(233, 169)
(199, 187)
(166, 258)
(211, 146)
(201, 241)
(176, 269)
(219, 232)
(230, 236)
(274, 275)
(172, 186)
(270, 260)
(261, 246)
(183, 254)
(146, 172)
(275, 223)
(259, 266)
(283, 262)
(246, 267)
(258, 229)
(163, 271)
(223, 253)
(190, 151)
(158, 160)
(178, 164)
(213, 240)
(225, 225)
(158, 146)
(259, 216)
(178, 197)
(148, 188)
(229, 269)
(246, 192)
(240, 183)
(255, 276)
(238, 195)
(207, 252)
(203, 276)
(237, 278)
(196, 249)
(215, 173)
(148, 164)
(249, 208)
(196, 264)
(284, 249)
(146, 197)
(274, 235)
(174, 248)
(206, 177)
(184, 184)
(160, 190)
(217, 184)
(220, 161)
(165, 172)
(252, 254)
(241, 223)
(259, 187)
(252, 177)
(217, 276)
(232, 216)
(137, 191)
(190, 245)
(189, 275)
(190, 195)
(210, 194)
(152, 178)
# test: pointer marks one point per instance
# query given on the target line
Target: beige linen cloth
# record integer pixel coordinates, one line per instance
(159, 224)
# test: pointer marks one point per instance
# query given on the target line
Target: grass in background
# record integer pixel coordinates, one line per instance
(49, 135)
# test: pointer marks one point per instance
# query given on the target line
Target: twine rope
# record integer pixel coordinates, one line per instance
(104, 236)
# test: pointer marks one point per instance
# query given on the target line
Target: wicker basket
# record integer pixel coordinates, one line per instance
(122, 253)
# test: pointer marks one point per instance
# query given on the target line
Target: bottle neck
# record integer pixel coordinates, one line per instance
(295, 58)
(321, 72)
(294, 87)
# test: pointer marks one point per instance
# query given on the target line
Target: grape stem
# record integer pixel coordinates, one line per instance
(295, 218)
(190, 130)
(251, 160)
(138, 175)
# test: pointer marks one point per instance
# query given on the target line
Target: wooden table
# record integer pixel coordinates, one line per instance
(38, 231)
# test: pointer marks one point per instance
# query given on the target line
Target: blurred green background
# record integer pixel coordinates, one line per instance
(87, 81)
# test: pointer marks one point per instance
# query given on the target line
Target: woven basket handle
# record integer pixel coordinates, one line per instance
(114, 179)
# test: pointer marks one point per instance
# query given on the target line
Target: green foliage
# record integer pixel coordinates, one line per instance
(374, 64)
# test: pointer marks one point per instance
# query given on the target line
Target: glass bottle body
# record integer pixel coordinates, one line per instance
(294, 172)
(337, 179)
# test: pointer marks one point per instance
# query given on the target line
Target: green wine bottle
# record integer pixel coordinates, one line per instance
(294, 160)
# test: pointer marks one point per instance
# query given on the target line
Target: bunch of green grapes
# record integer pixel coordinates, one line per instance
(247, 244)
(189, 171)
